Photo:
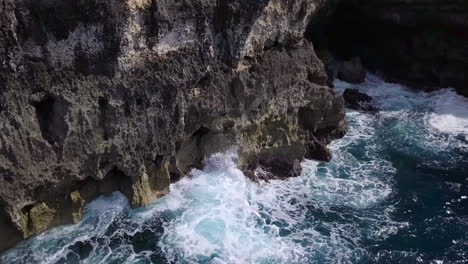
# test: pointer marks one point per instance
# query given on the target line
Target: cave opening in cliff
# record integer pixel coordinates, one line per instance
(44, 108)
(404, 44)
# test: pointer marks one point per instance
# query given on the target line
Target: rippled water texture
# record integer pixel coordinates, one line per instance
(395, 192)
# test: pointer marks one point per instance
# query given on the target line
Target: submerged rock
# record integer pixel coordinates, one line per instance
(131, 99)
(277, 167)
(358, 100)
(317, 150)
(352, 71)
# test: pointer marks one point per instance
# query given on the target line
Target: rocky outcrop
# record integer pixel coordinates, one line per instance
(422, 43)
(99, 96)
(358, 100)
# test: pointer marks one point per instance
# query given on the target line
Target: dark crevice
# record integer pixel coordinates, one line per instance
(139, 101)
(103, 108)
(203, 82)
(198, 135)
(122, 181)
(200, 132)
(50, 114)
(227, 17)
(158, 160)
(236, 91)
(307, 118)
(272, 45)
(6, 175)
(176, 115)
(26, 212)
(152, 24)
(127, 110)
(175, 176)
(26, 209)
(9, 231)
(103, 163)
(168, 95)
(44, 110)
(115, 180)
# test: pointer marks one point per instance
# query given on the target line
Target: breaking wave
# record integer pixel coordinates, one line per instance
(394, 192)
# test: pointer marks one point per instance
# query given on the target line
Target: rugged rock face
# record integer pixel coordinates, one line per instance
(99, 96)
(359, 101)
(423, 43)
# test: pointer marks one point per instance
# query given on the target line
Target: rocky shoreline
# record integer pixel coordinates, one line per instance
(129, 96)
(102, 96)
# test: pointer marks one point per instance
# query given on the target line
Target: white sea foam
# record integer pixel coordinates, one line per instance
(217, 215)
(51, 246)
(220, 216)
(233, 220)
(451, 112)
(431, 119)
(219, 219)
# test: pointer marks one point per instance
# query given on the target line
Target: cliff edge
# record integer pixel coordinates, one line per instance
(101, 96)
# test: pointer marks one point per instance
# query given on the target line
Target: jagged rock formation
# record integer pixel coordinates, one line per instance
(423, 43)
(99, 96)
(358, 100)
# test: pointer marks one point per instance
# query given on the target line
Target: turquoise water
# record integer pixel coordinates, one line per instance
(395, 192)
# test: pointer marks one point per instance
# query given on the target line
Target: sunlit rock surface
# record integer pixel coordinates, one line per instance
(103, 96)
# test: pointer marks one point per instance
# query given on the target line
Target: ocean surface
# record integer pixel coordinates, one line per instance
(395, 192)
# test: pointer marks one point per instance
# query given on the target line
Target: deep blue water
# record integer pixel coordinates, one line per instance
(395, 192)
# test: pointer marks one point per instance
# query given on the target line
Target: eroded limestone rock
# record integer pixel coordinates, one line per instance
(104, 96)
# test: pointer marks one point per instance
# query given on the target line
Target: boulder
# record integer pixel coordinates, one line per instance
(316, 150)
(358, 100)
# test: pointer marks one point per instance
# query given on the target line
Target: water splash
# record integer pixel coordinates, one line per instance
(372, 204)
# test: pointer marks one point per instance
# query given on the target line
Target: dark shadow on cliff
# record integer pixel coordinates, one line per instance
(422, 45)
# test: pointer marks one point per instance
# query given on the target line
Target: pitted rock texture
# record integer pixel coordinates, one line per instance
(101, 96)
